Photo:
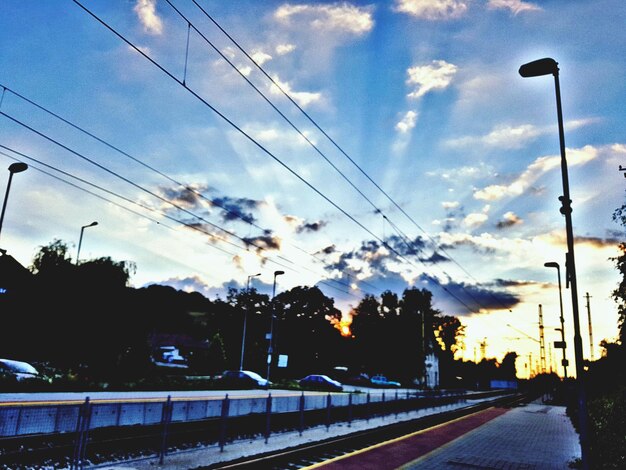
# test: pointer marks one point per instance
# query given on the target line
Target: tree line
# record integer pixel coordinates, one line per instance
(86, 319)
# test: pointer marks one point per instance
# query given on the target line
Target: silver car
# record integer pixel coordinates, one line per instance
(18, 369)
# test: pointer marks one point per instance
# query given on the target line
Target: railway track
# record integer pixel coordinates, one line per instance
(310, 454)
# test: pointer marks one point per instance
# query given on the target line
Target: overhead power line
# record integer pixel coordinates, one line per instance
(324, 133)
(246, 135)
(194, 227)
(173, 180)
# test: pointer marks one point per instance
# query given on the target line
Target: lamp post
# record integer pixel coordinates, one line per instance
(13, 168)
(245, 321)
(554, 264)
(271, 338)
(548, 66)
(80, 240)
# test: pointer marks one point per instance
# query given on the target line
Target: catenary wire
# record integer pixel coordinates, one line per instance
(251, 139)
(335, 144)
(325, 282)
(167, 216)
(164, 175)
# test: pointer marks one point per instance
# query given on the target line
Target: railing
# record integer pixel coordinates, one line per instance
(225, 418)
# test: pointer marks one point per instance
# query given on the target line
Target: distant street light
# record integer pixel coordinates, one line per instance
(554, 264)
(271, 338)
(548, 66)
(13, 168)
(80, 240)
(245, 321)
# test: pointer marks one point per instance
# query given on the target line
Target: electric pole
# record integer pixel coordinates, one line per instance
(590, 329)
(542, 344)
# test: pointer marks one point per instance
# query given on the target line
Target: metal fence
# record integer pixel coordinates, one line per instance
(228, 417)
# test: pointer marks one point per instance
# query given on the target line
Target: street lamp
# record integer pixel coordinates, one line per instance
(554, 264)
(271, 338)
(245, 321)
(13, 168)
(80, 240)
(548, 66)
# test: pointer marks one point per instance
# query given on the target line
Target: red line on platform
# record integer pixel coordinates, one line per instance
(398, 452)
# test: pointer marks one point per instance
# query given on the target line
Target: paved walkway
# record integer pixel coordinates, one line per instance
(534, 436)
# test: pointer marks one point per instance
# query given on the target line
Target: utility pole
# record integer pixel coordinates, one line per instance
(590, 329)
(542, 344)
(483, 348)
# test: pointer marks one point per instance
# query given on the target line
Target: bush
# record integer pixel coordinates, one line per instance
(607, 430)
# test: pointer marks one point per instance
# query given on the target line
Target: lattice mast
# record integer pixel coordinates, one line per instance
(542, 343)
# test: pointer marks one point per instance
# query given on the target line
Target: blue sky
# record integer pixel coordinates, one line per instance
(442, 172)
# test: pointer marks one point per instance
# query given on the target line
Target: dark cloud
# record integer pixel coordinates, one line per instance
(468, 299)
(188, 198)
(311, 227)
(598, 242)
(435, 258)
(453, 216)
(230, 208)
(616, 234)
(470, 244)
(263, 242)
(406, 247)
(187, 284)
(369, 252)
(514, 283)
(342, 264)
(509, 220)
(327, 250)
(236, 208)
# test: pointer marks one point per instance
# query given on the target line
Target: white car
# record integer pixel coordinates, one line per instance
(18, 369)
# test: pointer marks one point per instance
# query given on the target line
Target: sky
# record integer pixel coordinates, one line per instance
(357, 146)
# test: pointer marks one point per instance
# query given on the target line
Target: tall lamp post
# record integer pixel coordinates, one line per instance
(80, 240)
(549, 66)
(245, 321)
(271, 338)
(13, 168)
(554, 264)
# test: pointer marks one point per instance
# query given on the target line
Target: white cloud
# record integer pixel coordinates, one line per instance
(513, 137)
(450, 205)
(342, 17)
(260, 57)
(507, 137)
(146, 12)
(539, 167)
(435, 76)
(432, 9)
(515, 6)
(245, 70)
(283, 49)
(475, 220)
(407, 122)
(303, 98)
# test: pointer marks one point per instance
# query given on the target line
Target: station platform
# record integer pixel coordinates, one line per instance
(532, 436)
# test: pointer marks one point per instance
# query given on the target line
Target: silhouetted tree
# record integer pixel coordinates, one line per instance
(449, 332)
(303, 331)
(257, 307)
(507, 370)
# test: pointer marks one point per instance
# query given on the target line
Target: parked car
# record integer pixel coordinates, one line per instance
(242, 379)
(382, 381)
(361, 379)
(18, 369)
(320, 382)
